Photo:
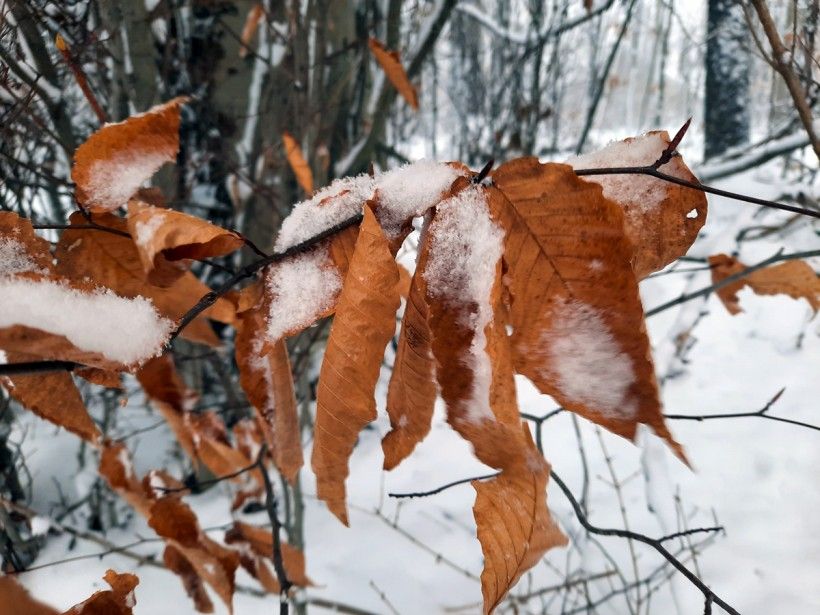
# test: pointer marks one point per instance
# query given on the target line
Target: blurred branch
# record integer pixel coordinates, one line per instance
(781, 61)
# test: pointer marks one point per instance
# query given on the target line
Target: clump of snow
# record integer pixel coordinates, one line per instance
(123, 330)
(639, 191)
(466, 246)
(410, 190)
(14, 258)
(111, 182)
(326, 208)
(587, 362)
(145, 230)
(39, 525)
(301, 288)
(404, 193)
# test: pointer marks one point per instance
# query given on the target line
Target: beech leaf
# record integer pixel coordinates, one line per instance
(266, 378)
(578, 325)
(52, 396)
(411, 394)
(661, 219)
(167, 235)
(392, 67)
(362, 327)
(794, 278)
(297, 162)
(115, 161)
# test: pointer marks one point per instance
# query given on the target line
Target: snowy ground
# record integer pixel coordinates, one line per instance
(756, 476)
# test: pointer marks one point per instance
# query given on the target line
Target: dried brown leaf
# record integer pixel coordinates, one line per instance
(362, 327)
(266, 378)
(166, 235)
(411, 394)
(661, 219)
(15, 600)
(578, 324)
(52, 396)
(119, 600)
(177, 563)
(115, 161)
(252, 20)
(297, 162)
(794, 278)
(392, 67)
(114, 262)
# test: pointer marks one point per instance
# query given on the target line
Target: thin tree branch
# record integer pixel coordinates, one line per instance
(762, 413)
(271, 507)
(652, 542)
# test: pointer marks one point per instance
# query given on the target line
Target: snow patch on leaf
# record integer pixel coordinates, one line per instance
(145, 230)
(123, 330)
(115, 180)
(587, 362)
(638, 152)
(328, 207)
(14, 258)
(300, 288)
(410, 190)
(466, 246)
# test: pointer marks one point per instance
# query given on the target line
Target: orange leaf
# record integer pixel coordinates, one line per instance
(15, 599)
(578, 325)
(177, 563)
(794, 278)
(252, 20)
(113, 261)
(513, 524)
(52, 396)
(115, 161)
(119, 600)
(391, 65)
(364, 324)
(259, 541)
(661, 219)
(460, 257)
(411, 394)
(171, 398)
(167, 235)
(297, 162)
(266, 379)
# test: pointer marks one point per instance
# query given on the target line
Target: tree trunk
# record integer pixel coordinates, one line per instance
(727, 78)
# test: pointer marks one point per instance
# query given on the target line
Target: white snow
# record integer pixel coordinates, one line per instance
(640, 191)
(39, 525)
(404, 193)
(112, 181)
(410, 190)
(123, 330)
(14, 258)
(329, 206)
(301, 288)
(587, 362)
(145, 230)
(466, 246)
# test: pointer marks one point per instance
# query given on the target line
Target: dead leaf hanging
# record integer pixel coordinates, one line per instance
(661, 219)
(297, 162)
(392, 67)
(577, 319)
(794, 278)
(362, 327)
